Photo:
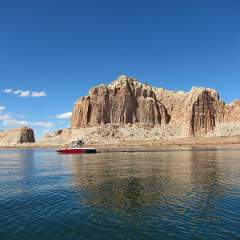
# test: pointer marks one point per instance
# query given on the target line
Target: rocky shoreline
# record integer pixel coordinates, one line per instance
(140, 144)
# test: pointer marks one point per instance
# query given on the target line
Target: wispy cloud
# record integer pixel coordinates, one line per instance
(3, 115)
(39, 94)
(10, 122)
(42, 124)
(25, 93)
(8, 90)
(66, 115)
(2, 108)
(13, 121)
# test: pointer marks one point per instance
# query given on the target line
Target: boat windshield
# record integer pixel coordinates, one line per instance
(75, 144)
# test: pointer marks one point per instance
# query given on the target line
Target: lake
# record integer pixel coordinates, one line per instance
(191, 193)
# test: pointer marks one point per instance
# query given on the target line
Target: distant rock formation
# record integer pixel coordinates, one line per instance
(17, 136)
(126, 101)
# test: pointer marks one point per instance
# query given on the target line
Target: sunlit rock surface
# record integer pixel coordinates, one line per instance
(128, 101)
(17, 136)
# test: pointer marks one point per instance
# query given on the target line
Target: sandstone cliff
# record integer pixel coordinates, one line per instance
(17, 136)
(127, 101)
(122, 102)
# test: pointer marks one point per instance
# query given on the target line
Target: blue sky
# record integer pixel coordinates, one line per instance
(62, 48)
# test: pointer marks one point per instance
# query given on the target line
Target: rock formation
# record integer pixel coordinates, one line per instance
(202, 110)
(127, 101)
(17, 136)
(122, 102)
(232, 112)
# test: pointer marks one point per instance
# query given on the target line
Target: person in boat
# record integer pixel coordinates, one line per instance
(76, 144)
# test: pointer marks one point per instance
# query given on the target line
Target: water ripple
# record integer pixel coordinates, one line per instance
(189, 194)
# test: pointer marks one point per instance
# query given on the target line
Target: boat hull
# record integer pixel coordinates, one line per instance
(77, 150)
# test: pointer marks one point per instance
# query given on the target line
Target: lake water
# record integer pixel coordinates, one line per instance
(171, 194)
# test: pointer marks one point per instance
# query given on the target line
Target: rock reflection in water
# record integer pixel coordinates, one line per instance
(126, 182)
(173, 194)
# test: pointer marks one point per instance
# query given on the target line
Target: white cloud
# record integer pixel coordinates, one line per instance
(19, 115)
(8, 90)
(39, 94)
(66, 115)
(10, 122)
(4, 117)
(25, 93)
(16, 92)
(2, 109)
(14, 123)
(42, 124)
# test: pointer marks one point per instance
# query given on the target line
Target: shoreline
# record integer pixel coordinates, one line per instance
(138, 144)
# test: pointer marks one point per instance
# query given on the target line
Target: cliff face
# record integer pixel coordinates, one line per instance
(127, 101)
(17, 136)
(203, 110)
(232, 112)
(122, 102)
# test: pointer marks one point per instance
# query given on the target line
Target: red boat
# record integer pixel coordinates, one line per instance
(76, 150)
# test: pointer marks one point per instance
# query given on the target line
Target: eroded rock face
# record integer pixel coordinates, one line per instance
(122, 102)
(127, 101)
(232, 112)
(17, 136)
(205, 112)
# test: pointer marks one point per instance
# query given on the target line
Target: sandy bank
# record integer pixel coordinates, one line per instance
(138, 144)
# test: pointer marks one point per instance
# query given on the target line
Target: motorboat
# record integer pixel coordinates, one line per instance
(76, 148)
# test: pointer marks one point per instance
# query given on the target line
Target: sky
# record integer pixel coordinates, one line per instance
(53, 51)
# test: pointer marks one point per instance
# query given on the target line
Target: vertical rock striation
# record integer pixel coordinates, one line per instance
(127, 101)
(123, 101)
(205, 111)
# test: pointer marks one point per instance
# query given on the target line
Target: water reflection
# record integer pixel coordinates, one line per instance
(127, 182)
(17, 169)
(206, 174)
(26, 161)
(185, 194)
